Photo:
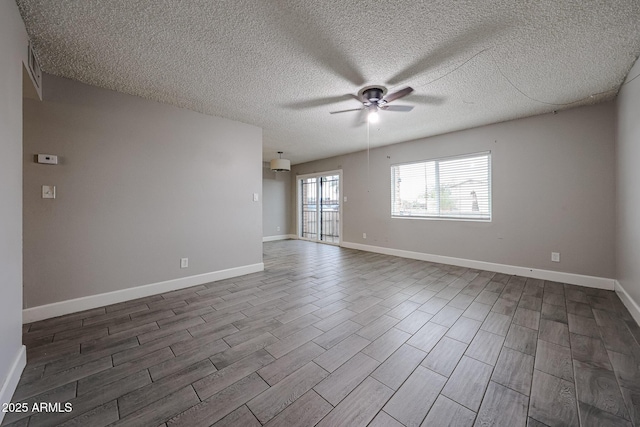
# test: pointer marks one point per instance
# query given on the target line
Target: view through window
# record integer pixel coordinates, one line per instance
(452, 187)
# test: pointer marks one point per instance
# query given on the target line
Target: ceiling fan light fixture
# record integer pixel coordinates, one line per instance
(280, 164)
(375, 98)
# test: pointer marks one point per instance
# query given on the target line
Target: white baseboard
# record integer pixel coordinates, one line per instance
(628, 302)
(556, 276)
(280, 237)
(11, 382)
(93, 301)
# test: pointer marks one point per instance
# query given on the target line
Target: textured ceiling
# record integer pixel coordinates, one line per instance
(283, 65)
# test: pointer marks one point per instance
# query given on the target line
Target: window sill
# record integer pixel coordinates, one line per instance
(440, 218)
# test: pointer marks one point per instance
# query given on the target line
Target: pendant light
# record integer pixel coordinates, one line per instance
(280, 165)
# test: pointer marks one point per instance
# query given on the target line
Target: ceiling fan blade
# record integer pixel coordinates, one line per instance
(403, 108)
(428, 99)
(361, 117)
(318, 102)
(346, 111)
(480, 35)
(316, 41)
(399, 94)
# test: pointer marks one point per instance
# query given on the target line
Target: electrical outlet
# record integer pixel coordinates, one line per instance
(184, 262)
(364, 235)
(48, 191)
(277, 228)
(555, 256)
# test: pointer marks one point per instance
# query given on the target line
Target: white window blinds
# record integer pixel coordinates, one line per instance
(452, 187)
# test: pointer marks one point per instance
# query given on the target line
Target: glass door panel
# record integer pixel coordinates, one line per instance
(309, 218)
(320, 208)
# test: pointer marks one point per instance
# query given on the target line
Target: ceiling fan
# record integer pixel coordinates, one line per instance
(374, 99)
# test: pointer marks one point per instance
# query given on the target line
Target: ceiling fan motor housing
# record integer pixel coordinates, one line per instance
(373, 94)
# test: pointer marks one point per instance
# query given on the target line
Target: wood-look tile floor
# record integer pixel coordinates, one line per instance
(335, 337)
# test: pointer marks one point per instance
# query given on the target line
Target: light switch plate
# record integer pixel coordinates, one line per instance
(48, 191)
(255, 197)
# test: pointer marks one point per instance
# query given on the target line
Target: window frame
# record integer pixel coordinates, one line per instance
(439, 216)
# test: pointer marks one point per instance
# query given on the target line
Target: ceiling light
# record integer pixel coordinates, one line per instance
(373, 117)
(280, 165)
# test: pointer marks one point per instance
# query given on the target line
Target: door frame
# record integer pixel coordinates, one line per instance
(299, 178)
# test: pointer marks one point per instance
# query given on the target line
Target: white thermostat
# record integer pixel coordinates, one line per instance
(47, 159)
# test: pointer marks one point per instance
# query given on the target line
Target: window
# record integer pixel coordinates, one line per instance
(452, 187)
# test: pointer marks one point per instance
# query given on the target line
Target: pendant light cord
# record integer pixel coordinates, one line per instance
(368, 161)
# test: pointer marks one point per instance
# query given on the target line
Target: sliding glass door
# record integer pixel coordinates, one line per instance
(319, 207)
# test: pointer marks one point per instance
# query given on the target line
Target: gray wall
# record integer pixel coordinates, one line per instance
(276, 202)
(139, 185)
(628, 186)
(13, 44)
(553, 190)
